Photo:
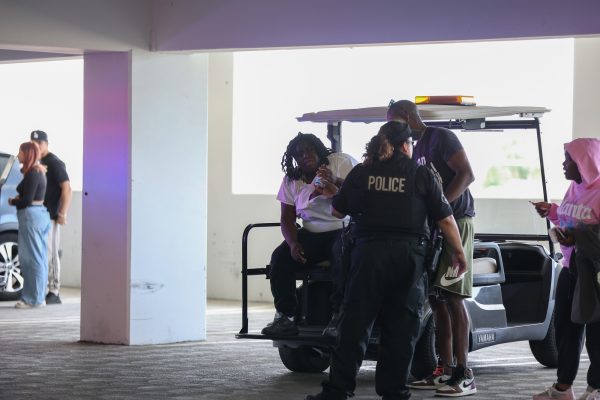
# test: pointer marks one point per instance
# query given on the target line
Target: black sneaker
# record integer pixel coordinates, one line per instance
(331, 330)
(52, 298)
(281, 326)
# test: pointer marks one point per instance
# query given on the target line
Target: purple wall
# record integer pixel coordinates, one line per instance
(239, 24)
(106, 198)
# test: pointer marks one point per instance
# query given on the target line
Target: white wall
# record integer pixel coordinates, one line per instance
(586, 88)
(229, 214)
(168, 197)
(70, 244)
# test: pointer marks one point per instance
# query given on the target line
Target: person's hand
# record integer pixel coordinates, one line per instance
(10, 201)
(564, 236)
(542, 208)
(328, 189)
(325, 174)
(459, 260)
(61, 219)
(317, 192)
(297, 252)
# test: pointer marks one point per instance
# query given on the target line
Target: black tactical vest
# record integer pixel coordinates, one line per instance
(390, 201)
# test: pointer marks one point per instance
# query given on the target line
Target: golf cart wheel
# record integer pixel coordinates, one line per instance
(545, 350)
(425, 356)
(304, 359)
(11, 280)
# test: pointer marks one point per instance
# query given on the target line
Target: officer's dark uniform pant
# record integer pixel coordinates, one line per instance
(318, 247)
(388, 281)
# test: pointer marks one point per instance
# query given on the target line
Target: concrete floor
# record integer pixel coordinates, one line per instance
(41, 358)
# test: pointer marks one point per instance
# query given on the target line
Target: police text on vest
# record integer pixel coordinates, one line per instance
(386, 184)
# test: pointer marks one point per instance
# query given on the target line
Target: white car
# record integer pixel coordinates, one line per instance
(11, 280)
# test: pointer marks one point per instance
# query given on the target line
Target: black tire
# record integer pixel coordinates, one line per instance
(9, 260)
(304, 359)
(545, 350)
(425, 357)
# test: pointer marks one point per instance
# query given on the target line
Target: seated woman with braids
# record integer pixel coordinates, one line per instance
(313, 174)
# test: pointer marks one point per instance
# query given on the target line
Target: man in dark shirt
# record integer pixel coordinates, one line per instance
(441, 151)
(57, 201)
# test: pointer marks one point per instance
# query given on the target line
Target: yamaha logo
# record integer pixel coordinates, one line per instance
(486, 337)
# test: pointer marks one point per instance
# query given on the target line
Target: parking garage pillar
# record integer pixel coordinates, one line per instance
(144, 198)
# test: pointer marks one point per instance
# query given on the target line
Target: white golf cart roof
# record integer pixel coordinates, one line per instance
(428, 112)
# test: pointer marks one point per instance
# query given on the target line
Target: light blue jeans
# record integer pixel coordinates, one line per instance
(34, 226)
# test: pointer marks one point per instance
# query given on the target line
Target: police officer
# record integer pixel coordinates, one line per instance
(390, 197)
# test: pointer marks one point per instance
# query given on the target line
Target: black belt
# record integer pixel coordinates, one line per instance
(411, 237)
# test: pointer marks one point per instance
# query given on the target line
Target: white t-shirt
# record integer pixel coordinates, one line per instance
(316, 212)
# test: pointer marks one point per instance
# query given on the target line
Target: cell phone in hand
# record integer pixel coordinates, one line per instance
(556, 234)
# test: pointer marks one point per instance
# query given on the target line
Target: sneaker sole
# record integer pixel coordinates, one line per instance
(412, 386)
(462, 394)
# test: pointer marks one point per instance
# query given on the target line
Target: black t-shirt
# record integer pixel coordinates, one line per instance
(393, 197)
(57, 174)
(435, 147)
(31, 188)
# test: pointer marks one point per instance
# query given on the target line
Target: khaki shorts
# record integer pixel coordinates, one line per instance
(462, 285)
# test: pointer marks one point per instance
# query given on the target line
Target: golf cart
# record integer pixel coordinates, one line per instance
(509, 270)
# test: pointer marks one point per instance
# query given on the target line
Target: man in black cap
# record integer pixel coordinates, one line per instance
(439, 149)
(57, 201)
(389, 196)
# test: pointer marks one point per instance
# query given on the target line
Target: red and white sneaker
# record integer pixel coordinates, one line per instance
(436, 380)
(462, 383)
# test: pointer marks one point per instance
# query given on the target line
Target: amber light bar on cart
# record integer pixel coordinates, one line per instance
(446, 100)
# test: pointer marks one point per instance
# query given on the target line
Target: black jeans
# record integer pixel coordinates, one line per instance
(570, 336)
(318, 247)
(387, 280)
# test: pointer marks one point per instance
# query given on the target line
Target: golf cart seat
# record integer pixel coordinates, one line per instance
(487, 264)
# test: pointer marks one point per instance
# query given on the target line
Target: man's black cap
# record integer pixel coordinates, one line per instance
(40, 136)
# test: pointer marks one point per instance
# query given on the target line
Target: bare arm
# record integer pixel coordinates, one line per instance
(452, 237)
(337, 214)
(290, 232)
(65, 202)
(459, 163)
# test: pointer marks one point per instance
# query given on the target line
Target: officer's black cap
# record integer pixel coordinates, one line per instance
(395, 131)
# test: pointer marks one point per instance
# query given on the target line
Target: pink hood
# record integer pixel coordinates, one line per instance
(586, 154)
(581, 204)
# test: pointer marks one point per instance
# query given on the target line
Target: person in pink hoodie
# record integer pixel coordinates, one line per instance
(580, 207)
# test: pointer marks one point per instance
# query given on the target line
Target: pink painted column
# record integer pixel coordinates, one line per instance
(105, 268)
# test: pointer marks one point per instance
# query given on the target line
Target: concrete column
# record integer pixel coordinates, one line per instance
(144, 198)
(586, 88)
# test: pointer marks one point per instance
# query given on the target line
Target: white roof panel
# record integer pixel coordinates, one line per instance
(428, 112)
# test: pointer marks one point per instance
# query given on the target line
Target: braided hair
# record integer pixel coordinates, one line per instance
(288, 164)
